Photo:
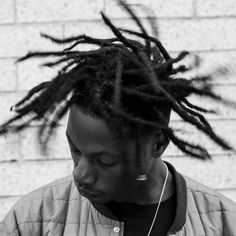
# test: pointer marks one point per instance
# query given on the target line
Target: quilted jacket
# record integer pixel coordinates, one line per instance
(58, 209)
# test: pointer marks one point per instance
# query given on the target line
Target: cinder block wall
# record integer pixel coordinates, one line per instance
(204, 27)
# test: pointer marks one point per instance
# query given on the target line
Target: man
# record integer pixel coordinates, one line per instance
(119, 98)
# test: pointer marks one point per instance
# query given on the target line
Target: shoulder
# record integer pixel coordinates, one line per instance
(59, 192)
(210, 207)
(48, 203)
(59, 188)
(203, 194)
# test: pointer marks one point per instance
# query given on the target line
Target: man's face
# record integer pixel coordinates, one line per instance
(104, 167)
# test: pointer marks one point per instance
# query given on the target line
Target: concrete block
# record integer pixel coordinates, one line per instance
(214, 60)
(224, 110)
(198, 35)
(224, 129)
(7, 100)
(22, 177)
(212, 8)
(189, 34)
(63, 10)
(175, 35)
(9, 148)
(7, 75)
(58, 147)
(6, 11)
(217, 174)
(96, 29)
(10, 99)
(6, 203)
(176, 8)
(221, 63)
(31, 73)
(17, 40)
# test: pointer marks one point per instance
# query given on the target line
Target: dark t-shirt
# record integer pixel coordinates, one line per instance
(138, 218)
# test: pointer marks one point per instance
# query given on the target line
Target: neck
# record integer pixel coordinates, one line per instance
(148, 192)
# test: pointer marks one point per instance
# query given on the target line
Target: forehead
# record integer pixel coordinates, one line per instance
(90, 133)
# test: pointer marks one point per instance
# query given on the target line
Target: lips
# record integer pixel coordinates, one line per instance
(87, 193)
(84, 192)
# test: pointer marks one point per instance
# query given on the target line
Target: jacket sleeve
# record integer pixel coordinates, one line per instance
(228, 208)
(9, 227)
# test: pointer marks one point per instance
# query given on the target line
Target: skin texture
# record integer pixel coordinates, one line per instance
(104, 167)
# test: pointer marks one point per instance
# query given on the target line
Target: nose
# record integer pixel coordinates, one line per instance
(83, 173)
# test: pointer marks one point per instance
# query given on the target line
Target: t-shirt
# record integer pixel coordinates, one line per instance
(138, 218)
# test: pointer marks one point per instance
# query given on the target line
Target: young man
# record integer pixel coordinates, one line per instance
(119, 98)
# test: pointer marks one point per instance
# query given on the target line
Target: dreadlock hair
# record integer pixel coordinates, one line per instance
(124, 82)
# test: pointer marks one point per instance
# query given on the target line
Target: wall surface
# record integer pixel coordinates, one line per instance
(204, 27)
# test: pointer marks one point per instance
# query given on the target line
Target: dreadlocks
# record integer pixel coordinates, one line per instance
(124, 82)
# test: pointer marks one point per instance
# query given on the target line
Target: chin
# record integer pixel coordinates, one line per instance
(99, 200)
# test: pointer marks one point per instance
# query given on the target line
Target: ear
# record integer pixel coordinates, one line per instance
(160, 144)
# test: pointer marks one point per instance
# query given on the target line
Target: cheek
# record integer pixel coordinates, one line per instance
(117, 180)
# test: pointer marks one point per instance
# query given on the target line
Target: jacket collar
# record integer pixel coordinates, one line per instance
(181, 202)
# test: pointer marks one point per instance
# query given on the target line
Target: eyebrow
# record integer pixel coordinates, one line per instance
(95, 153)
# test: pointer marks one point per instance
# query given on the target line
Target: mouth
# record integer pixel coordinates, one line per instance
(91, 195)
(86, 193)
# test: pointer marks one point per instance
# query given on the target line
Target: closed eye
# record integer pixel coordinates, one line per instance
(105, 164)
(102, 161)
